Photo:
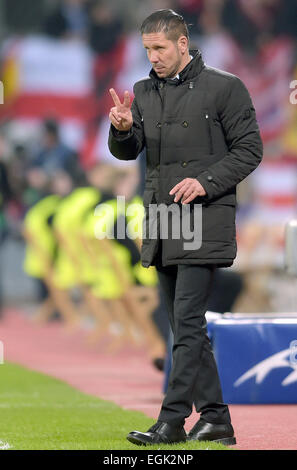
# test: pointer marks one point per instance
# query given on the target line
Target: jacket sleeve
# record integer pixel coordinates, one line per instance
(128, 145)
(245, 149)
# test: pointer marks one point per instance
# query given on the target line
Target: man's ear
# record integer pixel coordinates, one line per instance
(183, 44)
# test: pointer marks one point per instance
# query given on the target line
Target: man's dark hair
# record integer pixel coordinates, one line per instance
(165, 21)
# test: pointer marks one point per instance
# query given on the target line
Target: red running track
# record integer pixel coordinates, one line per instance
(128, 379)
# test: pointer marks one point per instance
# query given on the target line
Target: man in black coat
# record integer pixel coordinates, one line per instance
(199, 128)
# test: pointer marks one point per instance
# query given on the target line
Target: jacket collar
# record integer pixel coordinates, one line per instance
(192, 69)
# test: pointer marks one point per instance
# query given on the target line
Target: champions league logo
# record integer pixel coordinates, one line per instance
(286, 358)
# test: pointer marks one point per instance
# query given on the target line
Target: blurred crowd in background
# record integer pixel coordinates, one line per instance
(58, 60)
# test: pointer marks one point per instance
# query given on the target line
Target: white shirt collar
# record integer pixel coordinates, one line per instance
(177, 76)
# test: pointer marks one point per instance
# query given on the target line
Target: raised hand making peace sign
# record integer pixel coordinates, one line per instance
(120, 115)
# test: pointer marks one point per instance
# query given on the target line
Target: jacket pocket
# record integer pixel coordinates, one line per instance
(228, 199)
(147, 197)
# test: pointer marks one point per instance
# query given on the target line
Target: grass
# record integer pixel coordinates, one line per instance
(40, 412)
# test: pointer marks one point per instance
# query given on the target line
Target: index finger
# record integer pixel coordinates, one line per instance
(115, 97)
(177, 187)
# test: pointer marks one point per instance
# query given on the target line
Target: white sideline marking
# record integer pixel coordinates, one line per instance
(4, 445)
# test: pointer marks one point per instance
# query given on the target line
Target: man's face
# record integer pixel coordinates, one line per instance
(164, 55)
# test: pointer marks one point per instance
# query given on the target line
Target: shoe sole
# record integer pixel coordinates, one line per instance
(227, 441)
(139, 442)
(136, 441)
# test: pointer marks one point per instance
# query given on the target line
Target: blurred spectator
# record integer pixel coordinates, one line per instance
(60, 183)
(5, 187)
(37, 186)
(18, 162)
(108, 43)
(203, 17)
(39, 219)
(5, 195)
(54, 155)
(5, 190)
(255, 22)
(68, 19)
(102, 176)
(19, 17)
(105, 27)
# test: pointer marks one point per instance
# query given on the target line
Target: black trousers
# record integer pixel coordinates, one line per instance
(194, 377)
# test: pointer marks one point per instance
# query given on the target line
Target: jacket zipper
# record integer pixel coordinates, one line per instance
(162, 95)
(210, 146)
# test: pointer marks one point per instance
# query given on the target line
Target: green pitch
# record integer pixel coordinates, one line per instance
(39, 412)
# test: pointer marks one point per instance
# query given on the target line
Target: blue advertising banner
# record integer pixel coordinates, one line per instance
(256, 358)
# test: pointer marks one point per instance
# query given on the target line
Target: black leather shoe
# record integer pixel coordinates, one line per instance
(204, 431)
(159, 433)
